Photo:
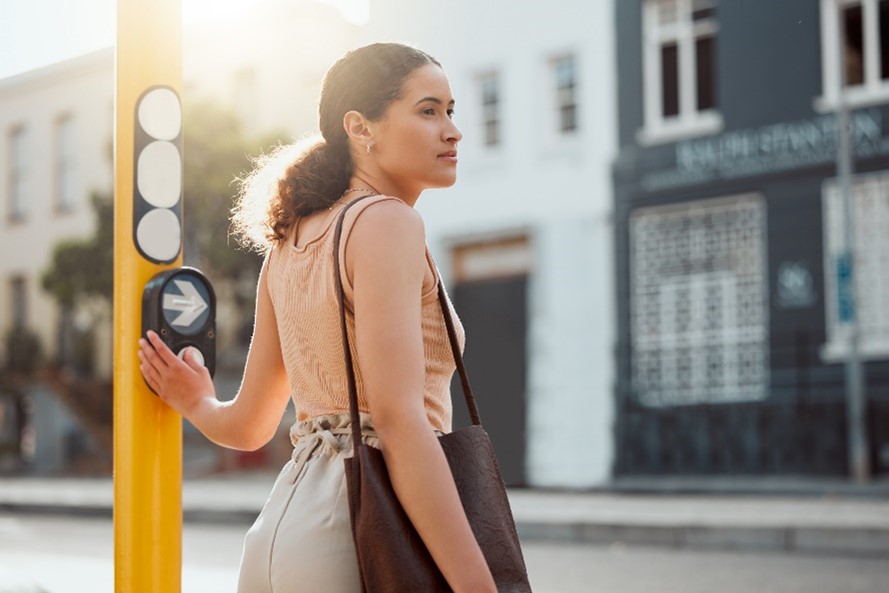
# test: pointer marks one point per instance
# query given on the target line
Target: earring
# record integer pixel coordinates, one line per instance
(369, 147)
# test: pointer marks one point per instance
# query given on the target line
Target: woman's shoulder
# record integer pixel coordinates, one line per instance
(387, 229)
(383, 214)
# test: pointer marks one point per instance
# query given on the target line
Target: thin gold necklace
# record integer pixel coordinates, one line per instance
(350, 190)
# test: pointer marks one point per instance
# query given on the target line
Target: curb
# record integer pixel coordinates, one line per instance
(856, 542)
(205, 516)
(829, 541)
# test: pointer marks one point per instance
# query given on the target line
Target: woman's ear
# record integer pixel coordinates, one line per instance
(357, 128)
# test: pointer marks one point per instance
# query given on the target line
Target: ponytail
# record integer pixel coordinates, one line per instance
(291, 181)
(316, 180)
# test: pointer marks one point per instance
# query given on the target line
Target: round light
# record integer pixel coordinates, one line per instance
(159, 235)
(160, 114)
(159, 174)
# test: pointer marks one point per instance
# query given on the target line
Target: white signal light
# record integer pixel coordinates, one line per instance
(159, 174)
(159, 235)
(160, 114)
(157, 184)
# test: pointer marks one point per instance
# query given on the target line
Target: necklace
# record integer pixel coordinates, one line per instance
(350, 190)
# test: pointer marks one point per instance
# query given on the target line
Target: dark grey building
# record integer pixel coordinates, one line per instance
(729, 228)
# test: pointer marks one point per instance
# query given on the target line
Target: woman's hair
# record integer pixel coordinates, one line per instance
(297, 179)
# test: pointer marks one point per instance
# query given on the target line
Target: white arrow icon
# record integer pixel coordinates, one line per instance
(190, 303)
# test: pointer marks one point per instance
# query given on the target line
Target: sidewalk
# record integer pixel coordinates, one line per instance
(848, 522)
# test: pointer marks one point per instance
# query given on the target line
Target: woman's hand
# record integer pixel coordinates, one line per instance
(182, 384)
(250, 419)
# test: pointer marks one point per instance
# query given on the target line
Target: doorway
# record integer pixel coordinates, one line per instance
(490, 296)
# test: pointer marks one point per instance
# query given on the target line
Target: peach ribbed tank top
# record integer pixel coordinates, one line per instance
(303, 293)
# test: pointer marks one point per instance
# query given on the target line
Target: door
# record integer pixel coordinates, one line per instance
(492, 305)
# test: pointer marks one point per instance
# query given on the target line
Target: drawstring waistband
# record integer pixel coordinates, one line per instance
(332, 432)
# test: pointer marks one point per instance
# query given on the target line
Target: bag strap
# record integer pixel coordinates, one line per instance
(455, 350)
(347, 353)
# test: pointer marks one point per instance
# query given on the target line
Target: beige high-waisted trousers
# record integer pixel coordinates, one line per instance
(302, 540)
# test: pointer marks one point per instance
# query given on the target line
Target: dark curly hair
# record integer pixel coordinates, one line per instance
(298, 179)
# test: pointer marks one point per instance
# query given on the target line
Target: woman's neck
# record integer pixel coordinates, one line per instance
(376, 184)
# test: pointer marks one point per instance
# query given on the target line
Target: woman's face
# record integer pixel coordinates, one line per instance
(415, 142)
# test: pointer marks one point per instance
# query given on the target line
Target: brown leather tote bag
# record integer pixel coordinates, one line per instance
(391, 555)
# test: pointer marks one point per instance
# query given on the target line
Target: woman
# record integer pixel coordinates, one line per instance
(387, 131)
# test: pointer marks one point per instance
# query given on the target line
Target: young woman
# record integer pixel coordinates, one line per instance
(386, 119)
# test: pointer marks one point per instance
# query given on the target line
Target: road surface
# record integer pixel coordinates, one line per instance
(75, 555)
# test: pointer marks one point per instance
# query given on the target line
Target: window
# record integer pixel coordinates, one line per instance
(680, 69)
(16, 208)
(698, 302)
(490, 96)
(863, 27)
(852, 27)
(66, 190)
(870, 212)
(19, 301)
(884, 41)
(564, 71)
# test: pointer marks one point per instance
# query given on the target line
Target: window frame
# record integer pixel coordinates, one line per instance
(16, 205)
(647, 346)
(690, 121)
(65, 165)
(874, 90)
(490, 113)
(560, 93)
(18, 307)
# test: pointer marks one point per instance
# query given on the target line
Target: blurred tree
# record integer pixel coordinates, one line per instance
(216, 152)
(84, 268)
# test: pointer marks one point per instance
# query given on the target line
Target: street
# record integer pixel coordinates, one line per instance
(75, 555)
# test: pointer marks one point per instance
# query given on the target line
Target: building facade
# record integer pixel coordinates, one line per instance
(56, 125)
(524, 238)
(56, 149)
(732, 319)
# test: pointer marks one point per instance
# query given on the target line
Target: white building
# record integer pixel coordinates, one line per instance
(528, 223)
(56, 125)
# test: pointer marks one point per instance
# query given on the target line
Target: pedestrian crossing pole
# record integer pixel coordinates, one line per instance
(147, 240)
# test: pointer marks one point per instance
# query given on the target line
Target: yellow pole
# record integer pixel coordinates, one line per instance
(147, 433)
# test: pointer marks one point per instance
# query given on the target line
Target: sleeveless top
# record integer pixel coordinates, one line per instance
(303, 291)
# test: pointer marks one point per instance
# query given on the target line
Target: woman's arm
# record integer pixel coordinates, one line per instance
(386, 250)
(249, 420)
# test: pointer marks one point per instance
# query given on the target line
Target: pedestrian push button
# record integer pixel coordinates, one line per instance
(180, 306)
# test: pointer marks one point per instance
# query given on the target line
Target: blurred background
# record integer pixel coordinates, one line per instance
(641, 240)
(644, 243)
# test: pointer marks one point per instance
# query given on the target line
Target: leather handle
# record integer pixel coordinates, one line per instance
(347, 353)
